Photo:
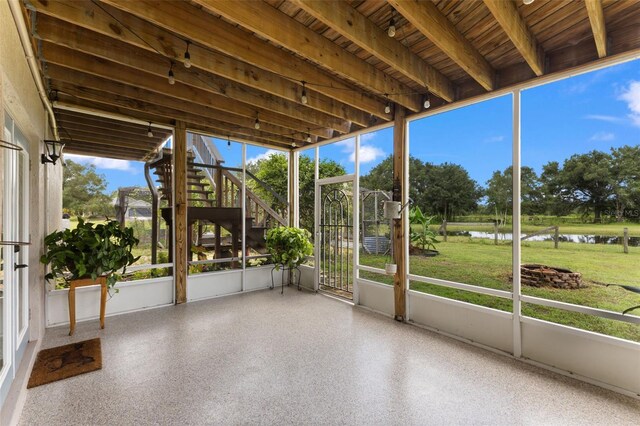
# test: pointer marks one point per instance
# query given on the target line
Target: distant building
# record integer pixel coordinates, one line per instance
(136, 209)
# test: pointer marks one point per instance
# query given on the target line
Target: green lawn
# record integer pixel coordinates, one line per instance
(480, 262)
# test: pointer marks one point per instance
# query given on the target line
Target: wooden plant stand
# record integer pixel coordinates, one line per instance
(72, 299)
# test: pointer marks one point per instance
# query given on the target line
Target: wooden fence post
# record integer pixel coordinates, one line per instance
(625, 240)
(495, 233)
(556, 237)
(444, 230)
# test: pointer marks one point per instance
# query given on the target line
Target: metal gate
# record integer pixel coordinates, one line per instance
(336, 237)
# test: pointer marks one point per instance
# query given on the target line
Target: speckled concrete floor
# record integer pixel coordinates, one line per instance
(261, 358)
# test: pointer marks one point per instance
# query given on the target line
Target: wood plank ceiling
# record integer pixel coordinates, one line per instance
(287, 73)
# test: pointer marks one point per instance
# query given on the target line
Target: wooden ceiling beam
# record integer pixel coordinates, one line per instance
(114, 140)
(427, 18)
(285, 31)
(134, 139)
(121, 53)
(188, 112)
(90, 150)
(101, 124)
(137, 104)
(195, 123)
(107, 145)
(343, 18)
(130, 80)
(596, 18)
(507, 15)
(186, 21)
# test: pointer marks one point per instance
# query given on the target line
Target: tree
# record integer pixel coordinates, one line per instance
(380, 177)
(589, 180)
(499, 192)
(273, 171)
(450, 191)
(82, 190)
(556, 198)
(626, 175)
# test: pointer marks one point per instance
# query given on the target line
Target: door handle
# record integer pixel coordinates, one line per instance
(22, 266)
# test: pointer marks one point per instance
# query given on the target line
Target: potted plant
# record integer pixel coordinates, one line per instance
(390, 268)
(288, 247)
(89, 251)
(423, 237)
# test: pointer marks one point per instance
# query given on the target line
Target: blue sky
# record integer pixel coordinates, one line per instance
(597, 110)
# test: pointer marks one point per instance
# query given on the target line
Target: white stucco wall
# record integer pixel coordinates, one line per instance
(19, 98)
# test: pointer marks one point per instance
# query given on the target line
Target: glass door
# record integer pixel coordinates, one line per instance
(14, 233)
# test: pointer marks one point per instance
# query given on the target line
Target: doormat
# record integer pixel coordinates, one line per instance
(66, 361)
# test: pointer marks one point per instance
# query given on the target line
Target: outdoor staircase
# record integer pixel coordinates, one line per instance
(214, 195)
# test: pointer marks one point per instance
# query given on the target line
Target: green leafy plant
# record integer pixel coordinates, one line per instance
(289, 246)
(89, 251)
(424, 238)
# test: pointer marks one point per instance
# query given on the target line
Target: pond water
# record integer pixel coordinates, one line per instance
(566, 238)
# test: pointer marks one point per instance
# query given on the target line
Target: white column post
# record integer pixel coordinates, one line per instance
(244, 214)
(356, 223)
(517, 309)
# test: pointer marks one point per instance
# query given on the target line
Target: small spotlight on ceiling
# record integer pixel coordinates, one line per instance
(149, 132)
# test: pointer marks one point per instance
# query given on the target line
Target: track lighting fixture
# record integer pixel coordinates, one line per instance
(171, 77)
(304, 98)
(187, 57)
(149, 132)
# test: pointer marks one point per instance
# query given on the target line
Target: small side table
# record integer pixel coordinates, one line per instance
(72, 299)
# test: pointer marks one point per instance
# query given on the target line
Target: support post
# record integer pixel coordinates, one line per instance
(495, 232)
(294, 201)
(154, 214)
(517, 306)
(180, 211)
(444, 230)
(625, 240)
(556, 237)
(399, 194)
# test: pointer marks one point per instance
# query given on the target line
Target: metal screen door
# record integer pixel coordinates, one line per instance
(334, 216)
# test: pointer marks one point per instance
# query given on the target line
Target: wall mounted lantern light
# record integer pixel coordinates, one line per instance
(54, 151)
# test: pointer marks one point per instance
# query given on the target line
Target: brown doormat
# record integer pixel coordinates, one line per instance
(66, 361)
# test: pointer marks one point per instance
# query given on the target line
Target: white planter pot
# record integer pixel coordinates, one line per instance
(390, 268)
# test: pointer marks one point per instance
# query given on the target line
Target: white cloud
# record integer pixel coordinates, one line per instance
(603, 136)
(632, 97)
(368, 153)
(368, 137)
(262, 156)
(607, 118)
(103, 163)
